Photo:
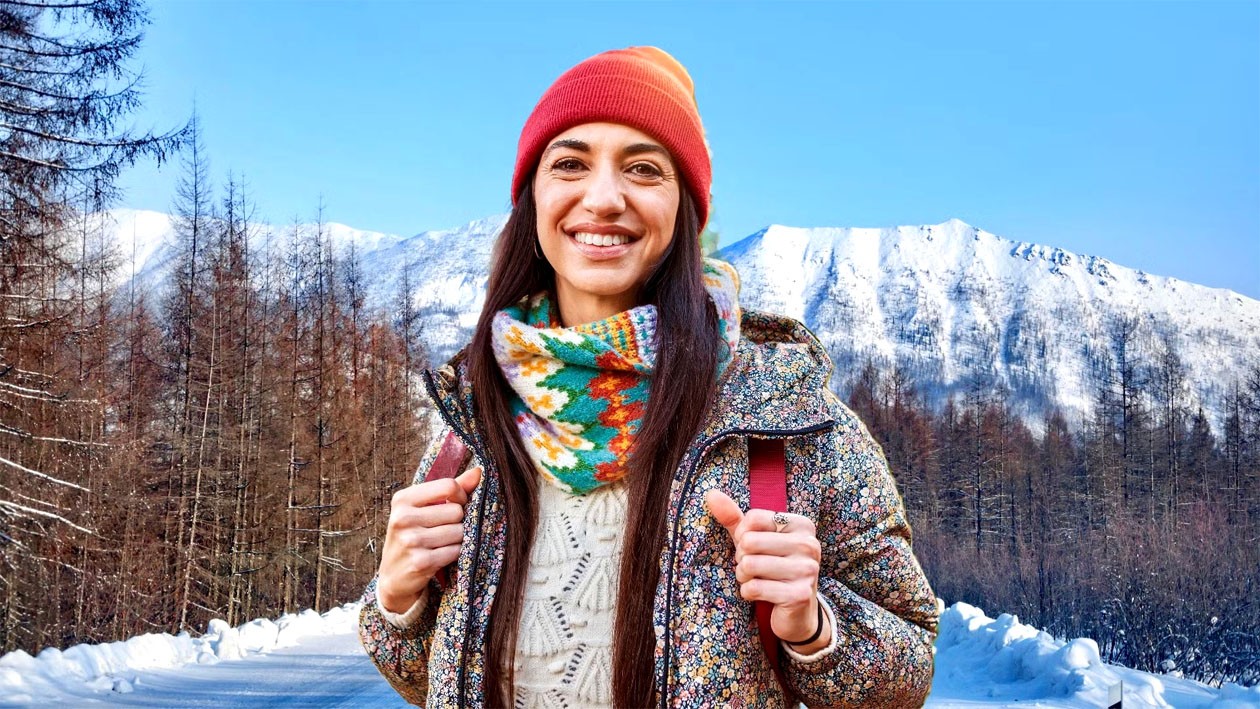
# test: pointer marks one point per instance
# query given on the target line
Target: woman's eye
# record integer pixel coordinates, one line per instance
(643, 169)
(567, 164)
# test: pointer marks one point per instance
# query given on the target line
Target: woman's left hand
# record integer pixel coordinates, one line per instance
(778, 567)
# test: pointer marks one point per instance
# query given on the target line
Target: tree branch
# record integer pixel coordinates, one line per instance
(44, 476)
(22, 510)
(66, 139)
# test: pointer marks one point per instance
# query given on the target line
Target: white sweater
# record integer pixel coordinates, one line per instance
(564, 654)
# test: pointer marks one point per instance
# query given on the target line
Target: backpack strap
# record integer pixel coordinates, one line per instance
(448, 463)
(767, 487)
(450, 460)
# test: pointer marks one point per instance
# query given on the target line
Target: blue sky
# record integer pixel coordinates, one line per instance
(1125, 130)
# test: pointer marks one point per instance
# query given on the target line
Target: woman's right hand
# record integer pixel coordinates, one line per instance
(424, 534)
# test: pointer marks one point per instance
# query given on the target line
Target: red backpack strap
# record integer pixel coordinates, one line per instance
(448, 464)
(767, 487)
(450, 460)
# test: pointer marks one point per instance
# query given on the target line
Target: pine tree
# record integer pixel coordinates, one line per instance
(1169, 384)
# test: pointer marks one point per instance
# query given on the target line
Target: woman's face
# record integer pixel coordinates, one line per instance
(607, 198)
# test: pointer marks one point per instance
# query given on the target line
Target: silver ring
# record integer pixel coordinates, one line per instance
(780, 521)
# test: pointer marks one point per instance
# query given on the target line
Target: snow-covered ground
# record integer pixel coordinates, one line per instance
(312, 660)
(303, 660)
(983, 662)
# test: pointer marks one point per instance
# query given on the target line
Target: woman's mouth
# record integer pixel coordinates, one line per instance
(601, 247)
(583, 237)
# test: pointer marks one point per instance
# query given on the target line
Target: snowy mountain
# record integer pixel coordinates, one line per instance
(312, 660)
(145, 241)
(952, 305)
(447, 267)
(955, 305)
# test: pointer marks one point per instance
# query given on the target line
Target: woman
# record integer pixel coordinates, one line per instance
(599, 551)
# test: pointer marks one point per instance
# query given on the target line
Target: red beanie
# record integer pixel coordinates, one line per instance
(641, 87)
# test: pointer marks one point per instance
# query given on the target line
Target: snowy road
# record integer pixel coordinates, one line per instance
(308, 660)
(328, 671)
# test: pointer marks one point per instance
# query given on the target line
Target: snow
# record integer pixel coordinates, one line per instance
(1003, 661)
(139, 234)
(304, 659)
(315, 660)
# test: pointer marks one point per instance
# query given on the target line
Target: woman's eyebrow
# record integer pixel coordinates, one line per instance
(584, 147)
(579, 145)
(640, 148)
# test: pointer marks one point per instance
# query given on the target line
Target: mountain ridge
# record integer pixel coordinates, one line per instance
(956, 307)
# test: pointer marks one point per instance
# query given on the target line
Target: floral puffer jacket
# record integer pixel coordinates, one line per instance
(708, 653)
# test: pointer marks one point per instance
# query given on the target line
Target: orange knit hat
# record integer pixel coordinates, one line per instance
(641, 87)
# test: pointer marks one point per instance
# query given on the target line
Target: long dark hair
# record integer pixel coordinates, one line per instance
(682, 388)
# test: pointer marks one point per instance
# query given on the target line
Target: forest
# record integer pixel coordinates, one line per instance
(226, 446)
(1138, 529)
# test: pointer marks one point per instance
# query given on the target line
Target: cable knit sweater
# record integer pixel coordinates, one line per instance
(564, 655)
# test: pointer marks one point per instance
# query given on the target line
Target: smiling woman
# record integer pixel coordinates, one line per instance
(593, 548)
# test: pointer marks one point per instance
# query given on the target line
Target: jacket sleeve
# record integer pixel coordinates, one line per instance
(884, 607)
(402, 654)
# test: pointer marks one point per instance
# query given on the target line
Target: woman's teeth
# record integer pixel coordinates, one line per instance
(601, 239)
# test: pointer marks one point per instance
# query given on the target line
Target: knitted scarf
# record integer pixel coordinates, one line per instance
(581, 392)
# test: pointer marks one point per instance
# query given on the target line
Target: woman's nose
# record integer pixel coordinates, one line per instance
(604, 194)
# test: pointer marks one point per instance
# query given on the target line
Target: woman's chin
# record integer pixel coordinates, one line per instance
(598, 291)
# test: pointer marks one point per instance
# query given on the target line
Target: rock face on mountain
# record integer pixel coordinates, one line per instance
(955, 307)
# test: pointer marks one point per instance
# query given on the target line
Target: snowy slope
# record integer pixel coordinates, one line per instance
(951, 304)
(311, 660)
(145, 240)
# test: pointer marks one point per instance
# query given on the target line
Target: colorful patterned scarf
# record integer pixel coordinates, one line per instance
(581, 392)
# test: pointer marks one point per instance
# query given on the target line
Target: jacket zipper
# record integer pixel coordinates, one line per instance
(689, 482)
(470, 441)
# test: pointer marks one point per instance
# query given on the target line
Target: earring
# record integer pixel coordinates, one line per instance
(537, 253)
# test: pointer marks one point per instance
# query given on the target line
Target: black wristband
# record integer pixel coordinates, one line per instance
(817, 631)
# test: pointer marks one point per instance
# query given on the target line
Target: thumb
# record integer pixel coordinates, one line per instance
(469, 479)
(723, 509)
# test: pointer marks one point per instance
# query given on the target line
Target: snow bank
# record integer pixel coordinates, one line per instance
(1236, 697)
(113, 666)
(983, 658)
